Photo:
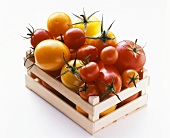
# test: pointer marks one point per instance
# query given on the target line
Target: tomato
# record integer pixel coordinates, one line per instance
(131, 56)
(74, 38)
(70, 75)
(49, 55)
(130, 78)
(58, 23)
(109, 55)
(89, 24)
(38, 35)
(89, 72)
(88, 89)
(87, 50)
(109, 81)
(107, 111)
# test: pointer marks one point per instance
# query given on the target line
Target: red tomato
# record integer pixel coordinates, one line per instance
(109, 55)
(88, 89)
(74, 38)
(38, 35)
(85, 51)
(89, 72)
(110, 81)
(131, 56)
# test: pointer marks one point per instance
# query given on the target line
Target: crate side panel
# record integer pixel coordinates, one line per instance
(59, 104)
(121, 112)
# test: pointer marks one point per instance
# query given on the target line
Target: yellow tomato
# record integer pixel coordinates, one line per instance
(49, 54)
(71, 79)
(93, 26)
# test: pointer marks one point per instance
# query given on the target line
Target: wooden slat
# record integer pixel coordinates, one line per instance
(59, 104)
(142, 84)
(72, 96)
(120, 112)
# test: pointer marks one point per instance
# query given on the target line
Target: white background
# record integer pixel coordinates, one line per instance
(25, 115)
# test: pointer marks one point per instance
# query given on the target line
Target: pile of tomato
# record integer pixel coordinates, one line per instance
(86, 58)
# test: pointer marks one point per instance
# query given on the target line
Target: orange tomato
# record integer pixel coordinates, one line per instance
(49, 54)
(130, 78)
(58, 23)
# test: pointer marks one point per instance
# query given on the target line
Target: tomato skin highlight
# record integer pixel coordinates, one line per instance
(49, 54)
(89, 72)
(74, 38)
(127, 59)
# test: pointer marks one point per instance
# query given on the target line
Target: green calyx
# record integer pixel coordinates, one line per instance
(133, 79)
(109, 89)
(84, 19)
(134, 49)
(104, 34)
(72, 69)
(83, 87)
(30, 34)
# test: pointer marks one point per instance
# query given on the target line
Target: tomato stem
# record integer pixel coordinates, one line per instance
(104, 34)
(109, 89)
(133, 79)
(84, 19)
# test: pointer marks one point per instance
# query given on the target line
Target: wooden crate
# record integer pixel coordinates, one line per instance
(92, 123)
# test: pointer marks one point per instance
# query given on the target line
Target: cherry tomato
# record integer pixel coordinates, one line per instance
(109, 55)
(74, 38)
(131, 56)
(109, 81)
(87, 50)
(71, 77)
(130, 78)
(38, 35)
(49, 54)
(89, 72)
(88, 89)
(58, 23)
